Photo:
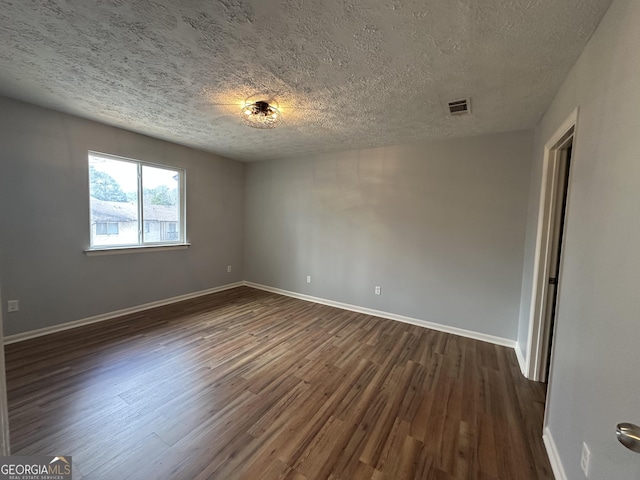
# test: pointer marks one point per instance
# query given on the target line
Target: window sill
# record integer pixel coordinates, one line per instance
(92, 252)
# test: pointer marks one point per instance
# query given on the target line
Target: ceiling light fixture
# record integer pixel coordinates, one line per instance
(261, 115)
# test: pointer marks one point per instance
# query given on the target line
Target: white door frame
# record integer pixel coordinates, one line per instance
(535, 363)
(4, 413)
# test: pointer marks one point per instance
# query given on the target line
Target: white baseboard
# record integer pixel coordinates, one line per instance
(554, 457)
(18, 337)
(521, 360)
(506, 342)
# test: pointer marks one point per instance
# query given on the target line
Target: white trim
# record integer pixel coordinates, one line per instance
(18, 337)
(94, 252)
(543, 247)
(521, 360)
(5, 448)
(554, 456)
(505, 342)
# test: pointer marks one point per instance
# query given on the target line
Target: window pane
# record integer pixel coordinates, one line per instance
(161, 204)
(113, 187)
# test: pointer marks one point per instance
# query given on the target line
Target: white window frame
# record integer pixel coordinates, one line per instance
(142, 245)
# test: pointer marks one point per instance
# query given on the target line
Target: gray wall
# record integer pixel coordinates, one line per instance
(595, 381)
(440, 226)
(44, 208)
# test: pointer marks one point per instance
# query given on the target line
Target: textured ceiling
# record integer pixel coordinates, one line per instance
(346, 73)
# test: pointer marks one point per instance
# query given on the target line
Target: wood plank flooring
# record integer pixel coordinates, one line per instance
(246, 384)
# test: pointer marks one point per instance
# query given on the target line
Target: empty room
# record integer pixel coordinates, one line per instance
(304, 240)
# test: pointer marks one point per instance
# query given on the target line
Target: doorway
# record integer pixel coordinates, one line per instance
(564, 166)
(559, 153)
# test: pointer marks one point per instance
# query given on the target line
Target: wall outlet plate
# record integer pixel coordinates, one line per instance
(229, 268)
(378, 290)
(308, 278)
(13, 306)
(585, 459)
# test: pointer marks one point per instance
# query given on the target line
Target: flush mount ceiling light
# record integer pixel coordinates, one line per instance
(261, 115)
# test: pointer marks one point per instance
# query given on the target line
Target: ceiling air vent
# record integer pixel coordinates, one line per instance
(460, 107)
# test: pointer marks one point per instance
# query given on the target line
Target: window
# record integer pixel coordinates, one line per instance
(172, 231)
(130, 200)
(107, 228)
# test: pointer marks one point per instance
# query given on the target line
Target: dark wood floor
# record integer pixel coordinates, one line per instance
(246, 384)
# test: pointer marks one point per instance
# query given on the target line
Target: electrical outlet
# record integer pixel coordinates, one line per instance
(229, 268)
(13, 306)
(378, 290)
(308, 278)
(585, 459)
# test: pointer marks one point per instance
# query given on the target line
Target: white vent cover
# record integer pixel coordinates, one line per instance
(460, 107)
